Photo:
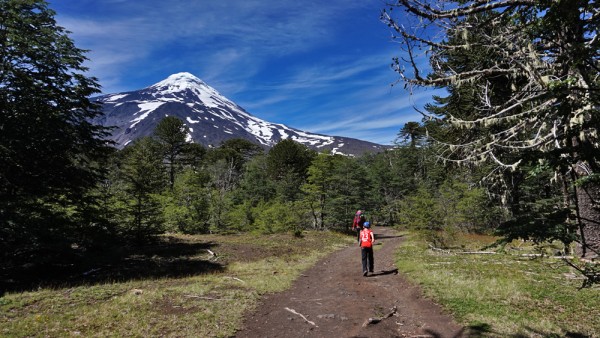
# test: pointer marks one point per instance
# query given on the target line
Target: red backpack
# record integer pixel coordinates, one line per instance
(358, 221)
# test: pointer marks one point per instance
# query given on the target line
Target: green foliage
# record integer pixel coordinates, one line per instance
(467, 208)
(234, 151)
(171, 134)
(539, 211)
(387, 185)
(287, 166)
(396, 174)
(453, 208)
(50, 155)
(186, 206)
(516, 97)
(335, 187)
(279, 217)
(144, 178)
(241, 217)
(255, 186)
(418, 211)
(317, 188)
(193, 155)
(352, 189)
(413, 132)
(223, 179)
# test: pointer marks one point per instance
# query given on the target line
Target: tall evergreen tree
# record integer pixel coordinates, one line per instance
(412, 132)
(171, 133)
(287, 164)
(144, 178)
(545, 56)
(48, 148)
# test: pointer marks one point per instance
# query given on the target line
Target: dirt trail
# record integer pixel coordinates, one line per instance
(337, 301)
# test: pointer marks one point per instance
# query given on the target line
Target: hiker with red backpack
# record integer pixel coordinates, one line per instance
(366, 241)
(357, 223)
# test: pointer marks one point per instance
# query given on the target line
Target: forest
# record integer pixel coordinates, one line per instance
(511, 150)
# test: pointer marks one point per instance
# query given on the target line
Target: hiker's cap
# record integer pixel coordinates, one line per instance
(359, 212)
(367, 225)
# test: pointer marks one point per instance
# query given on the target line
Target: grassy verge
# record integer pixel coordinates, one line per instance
(203, 304)
(503, 295)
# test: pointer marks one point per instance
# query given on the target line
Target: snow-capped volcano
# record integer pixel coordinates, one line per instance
(211, 118)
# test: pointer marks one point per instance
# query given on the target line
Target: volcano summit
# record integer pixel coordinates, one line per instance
(210, 117)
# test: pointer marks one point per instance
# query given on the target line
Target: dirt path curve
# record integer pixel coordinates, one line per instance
(337, 301)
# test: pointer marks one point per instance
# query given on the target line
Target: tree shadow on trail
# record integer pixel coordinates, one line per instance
(485, 330)
(384, 272)
(435, 334)
(381, 236)
(167, 257)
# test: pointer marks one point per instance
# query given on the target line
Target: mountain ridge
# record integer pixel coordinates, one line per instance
(211, 118)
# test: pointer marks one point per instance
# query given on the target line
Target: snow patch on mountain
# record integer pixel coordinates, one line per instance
(180, 82)
(214, 118)
(116, 97)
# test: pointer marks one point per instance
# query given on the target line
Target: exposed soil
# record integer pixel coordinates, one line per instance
(334, 299)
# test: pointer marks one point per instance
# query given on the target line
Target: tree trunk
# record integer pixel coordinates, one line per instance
(588, 204)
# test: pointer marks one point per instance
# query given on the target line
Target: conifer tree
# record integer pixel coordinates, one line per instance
(48, 148)
(536, 96)
(171, 133)
(144, 178)
(287, 165)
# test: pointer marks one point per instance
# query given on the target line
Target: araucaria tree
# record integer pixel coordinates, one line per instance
(534, 95)
(48, 149)
(171, 134)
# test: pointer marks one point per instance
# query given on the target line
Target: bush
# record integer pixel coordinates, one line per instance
(453, 208)
(278, 217)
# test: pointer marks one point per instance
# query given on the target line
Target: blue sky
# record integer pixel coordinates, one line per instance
(321, 66)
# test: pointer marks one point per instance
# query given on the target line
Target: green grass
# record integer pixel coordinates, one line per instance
(198, 305)
(503, 295)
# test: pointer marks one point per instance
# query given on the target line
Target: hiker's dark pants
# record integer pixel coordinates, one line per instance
(358, 230)
(367, 259)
